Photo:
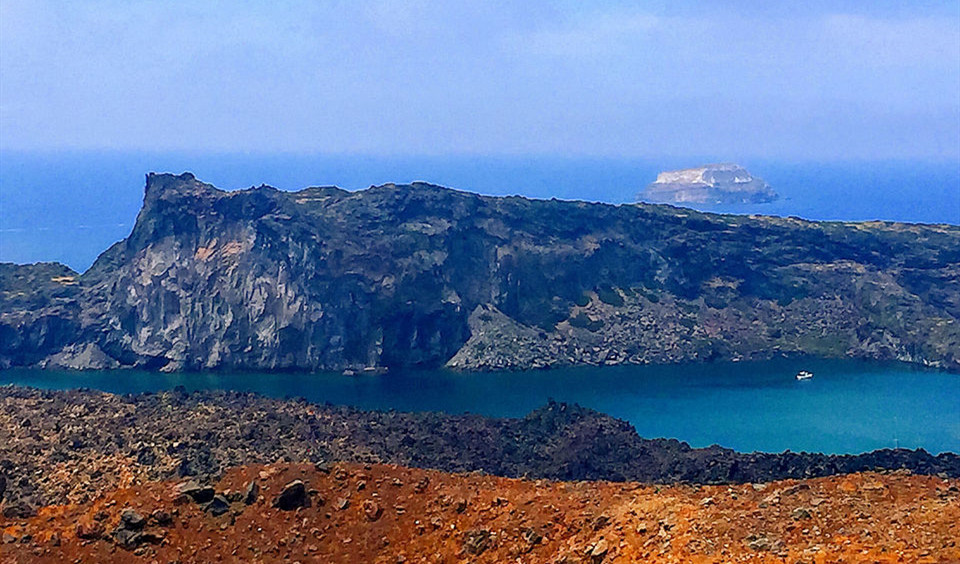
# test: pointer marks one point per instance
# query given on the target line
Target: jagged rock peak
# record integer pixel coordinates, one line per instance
(160, 183)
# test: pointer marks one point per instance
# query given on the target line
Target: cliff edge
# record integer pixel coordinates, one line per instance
(421, 275)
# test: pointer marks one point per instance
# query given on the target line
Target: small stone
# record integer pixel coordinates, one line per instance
(89, 531)
(161, 517)
(800, 513)
(532, 536)
(421, 485)
(599, 551)
(372, 510)
(132, 520)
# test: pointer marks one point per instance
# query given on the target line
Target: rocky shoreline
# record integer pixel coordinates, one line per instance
(64, 446)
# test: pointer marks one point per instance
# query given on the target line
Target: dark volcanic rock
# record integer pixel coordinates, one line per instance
(220, 430)
(217, 506)
(422, 275)
(251, 494)
(293, 496)
(197, 492)
(130, 519)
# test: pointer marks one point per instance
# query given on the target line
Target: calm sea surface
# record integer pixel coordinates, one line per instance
(848, 407)
(69, 207)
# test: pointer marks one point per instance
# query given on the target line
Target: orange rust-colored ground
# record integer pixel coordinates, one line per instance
(428, 516)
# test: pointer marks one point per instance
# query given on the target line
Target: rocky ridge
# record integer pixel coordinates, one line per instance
(65, 446)
(393, 276)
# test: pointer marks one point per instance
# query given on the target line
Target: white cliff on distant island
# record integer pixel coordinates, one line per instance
(709, 184)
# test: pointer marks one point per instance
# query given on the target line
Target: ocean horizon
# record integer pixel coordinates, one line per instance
(71, 206)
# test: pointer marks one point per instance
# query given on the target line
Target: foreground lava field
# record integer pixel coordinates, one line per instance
(385, 513)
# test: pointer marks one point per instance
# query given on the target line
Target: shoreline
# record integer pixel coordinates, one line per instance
(64, 445)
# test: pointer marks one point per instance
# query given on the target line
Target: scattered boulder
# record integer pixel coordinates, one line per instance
(796, 488)
(161, 517)
(132, 520)
(217, 506)
(127, 538)
(476, 541)
(197, 492)
(90, 530)
(293, 496)
(759, 543)
(599, 551)
(251, 493)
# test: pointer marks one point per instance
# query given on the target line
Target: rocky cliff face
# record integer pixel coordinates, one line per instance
(422, 275)
(710, 184)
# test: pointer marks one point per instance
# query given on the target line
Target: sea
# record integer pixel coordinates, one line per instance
(849, 406)
(70, 206)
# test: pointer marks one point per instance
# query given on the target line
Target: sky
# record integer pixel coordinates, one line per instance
(751, 79)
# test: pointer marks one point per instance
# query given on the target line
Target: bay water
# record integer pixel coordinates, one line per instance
(849, 406)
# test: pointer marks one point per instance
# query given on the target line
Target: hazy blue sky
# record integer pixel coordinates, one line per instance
(792, 80)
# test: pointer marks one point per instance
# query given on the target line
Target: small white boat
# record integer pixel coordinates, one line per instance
(804, 375)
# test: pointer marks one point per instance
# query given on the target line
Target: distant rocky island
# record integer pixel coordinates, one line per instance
(710, 184)
(421, 275)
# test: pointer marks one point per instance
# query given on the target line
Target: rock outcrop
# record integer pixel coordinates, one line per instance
(710, 184)
(409, 275)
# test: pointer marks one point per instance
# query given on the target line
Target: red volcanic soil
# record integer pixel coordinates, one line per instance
(392, 514)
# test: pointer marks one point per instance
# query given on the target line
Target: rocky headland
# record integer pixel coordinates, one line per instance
(710, 184)
(420, 275)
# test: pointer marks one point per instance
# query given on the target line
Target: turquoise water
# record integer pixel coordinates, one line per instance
(848, 407)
